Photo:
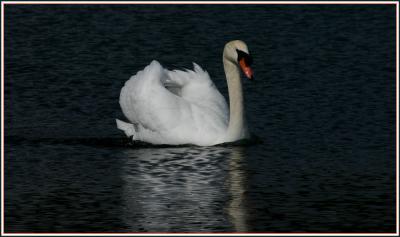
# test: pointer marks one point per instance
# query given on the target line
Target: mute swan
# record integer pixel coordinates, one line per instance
(184, 107)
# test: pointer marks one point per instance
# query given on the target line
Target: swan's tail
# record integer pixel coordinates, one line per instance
(128, 128)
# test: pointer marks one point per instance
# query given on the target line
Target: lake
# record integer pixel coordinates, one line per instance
(322, 106)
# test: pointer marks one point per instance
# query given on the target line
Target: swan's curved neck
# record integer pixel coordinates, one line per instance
(237, 128)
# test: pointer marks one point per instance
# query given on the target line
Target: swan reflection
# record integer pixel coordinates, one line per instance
(237, 179)
(187, 189)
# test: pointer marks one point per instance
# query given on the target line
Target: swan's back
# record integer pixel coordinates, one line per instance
(174, 107)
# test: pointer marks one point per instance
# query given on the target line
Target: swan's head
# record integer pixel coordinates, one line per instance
(237, 52)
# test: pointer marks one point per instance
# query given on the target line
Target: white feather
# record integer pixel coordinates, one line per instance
(194, 112)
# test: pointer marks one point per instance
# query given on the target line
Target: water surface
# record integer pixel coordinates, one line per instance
(323, 104)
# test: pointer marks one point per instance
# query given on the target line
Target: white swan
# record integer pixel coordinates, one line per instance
(184, 107)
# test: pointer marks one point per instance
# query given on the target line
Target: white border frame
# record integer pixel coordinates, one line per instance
(3, 3)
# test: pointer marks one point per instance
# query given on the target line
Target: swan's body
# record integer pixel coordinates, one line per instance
(184, 107)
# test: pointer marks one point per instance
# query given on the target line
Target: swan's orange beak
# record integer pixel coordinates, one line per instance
(246, 69)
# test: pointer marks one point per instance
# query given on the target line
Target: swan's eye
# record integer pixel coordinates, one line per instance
(242, 55)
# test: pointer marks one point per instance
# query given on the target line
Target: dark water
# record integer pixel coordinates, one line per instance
(323, 104)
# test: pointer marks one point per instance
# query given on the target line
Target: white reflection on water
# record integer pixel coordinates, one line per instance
(190, 189)
(237, 179)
